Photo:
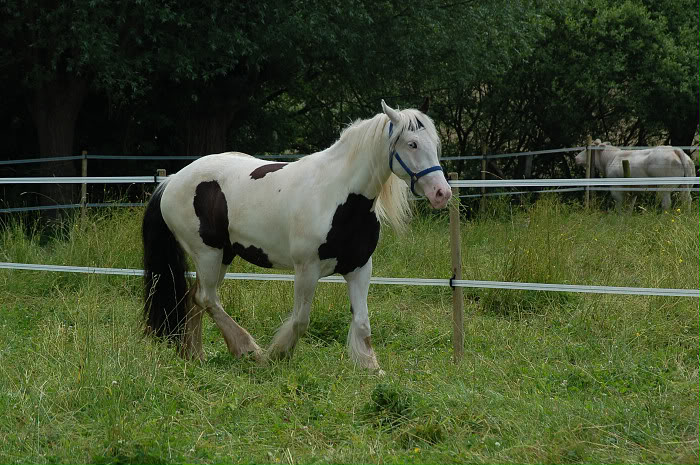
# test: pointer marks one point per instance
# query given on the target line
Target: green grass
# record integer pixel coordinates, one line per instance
(546, 377)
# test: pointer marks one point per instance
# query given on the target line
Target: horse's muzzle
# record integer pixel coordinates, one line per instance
(438, 191)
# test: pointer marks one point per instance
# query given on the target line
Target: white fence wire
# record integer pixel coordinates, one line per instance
(570, 185)
(567, 184)
(589, 289)
(660, 181)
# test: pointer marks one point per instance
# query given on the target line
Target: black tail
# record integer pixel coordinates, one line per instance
(164, 269)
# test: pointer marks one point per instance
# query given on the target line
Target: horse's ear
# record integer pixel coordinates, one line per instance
(597, 142)
(425, 106)
(391, 113)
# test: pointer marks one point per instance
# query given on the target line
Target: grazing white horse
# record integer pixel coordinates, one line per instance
(318, 216)
(662, 161)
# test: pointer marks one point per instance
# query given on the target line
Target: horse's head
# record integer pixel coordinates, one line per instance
(414, 154)
(597, 145)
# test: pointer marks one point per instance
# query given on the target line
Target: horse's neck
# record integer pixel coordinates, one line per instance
(605, 157)
(363, 172)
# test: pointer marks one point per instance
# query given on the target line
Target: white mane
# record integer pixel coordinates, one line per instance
(370, 135)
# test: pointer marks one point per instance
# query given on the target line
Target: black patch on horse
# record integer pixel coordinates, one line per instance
(252, 254)
(212, 210)
(261, 171)
(353, 235)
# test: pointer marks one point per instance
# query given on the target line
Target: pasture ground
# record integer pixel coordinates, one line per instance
(546, 377)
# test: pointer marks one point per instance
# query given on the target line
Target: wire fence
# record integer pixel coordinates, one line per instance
(296, 155)
(576, 183)
(456, 282)
(552, 187)
(571, 185)
(590, 183)
(132, 158)
(464, 283)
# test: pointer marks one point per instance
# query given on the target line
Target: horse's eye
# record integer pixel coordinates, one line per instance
(413, 145)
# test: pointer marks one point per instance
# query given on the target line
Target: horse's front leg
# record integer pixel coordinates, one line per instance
(619, 197)
(665, 200)
(360, 334)
(305, 280)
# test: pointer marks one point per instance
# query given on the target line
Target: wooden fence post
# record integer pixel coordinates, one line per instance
(83, 188)
(589, 160)
(457, 294)
(161, 172)
(626, 168)
(627, 173)
(482, 205)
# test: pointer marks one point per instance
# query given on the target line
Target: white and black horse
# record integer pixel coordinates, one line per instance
(318, 216)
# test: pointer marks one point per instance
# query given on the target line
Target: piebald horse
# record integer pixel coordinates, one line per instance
(319, 215)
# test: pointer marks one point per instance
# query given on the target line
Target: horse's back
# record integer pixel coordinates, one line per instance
(248, 202)
(653, 162)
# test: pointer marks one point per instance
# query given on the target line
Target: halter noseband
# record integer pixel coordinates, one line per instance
(414, 176)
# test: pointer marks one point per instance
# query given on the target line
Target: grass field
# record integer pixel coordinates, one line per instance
(546, 377)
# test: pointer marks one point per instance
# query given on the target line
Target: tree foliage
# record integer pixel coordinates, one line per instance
(184, 77)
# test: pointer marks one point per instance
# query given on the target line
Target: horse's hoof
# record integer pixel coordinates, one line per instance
(260, 357)
(255, 352)
(278, 355)
(192, 356)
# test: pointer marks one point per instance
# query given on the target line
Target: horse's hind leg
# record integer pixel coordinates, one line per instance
(687, 199)
(619, 197)
(665, 200)
(210, 272)
(359, 335)
(192, 343)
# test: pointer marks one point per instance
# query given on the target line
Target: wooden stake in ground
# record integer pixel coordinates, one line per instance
(457, 295)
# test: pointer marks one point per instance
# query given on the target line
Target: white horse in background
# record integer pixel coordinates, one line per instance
(662, 161)
(318, 216)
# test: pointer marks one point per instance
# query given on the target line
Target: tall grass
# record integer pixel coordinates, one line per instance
(546, 377)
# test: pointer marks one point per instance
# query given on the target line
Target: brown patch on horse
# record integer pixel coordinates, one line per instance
(261, 171)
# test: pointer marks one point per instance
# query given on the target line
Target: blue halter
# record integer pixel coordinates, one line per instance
(414, 176)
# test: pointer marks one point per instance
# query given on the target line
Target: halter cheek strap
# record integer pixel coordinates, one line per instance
(414, 176)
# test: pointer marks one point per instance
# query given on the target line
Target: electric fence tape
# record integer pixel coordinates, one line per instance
(695, 293)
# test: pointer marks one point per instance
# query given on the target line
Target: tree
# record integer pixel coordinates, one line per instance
(403, 51)
(614, 70)
(60, 51)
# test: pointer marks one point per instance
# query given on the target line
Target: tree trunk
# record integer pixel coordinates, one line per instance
(683, 130)
(205, 134)
(55, 107)
(523, 169)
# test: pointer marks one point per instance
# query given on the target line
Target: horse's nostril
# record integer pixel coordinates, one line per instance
(439, 193)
